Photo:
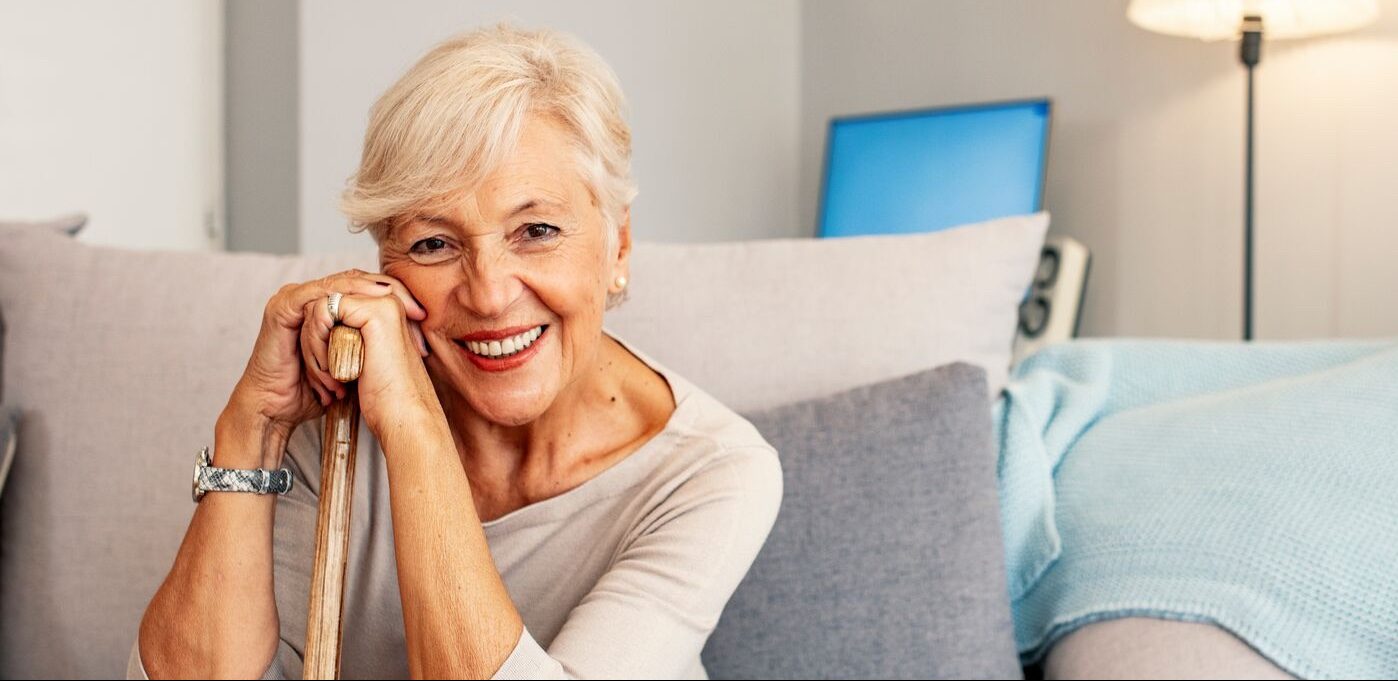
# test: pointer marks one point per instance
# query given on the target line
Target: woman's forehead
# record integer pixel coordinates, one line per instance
(541, 169)
(539, 174)
(510, 197)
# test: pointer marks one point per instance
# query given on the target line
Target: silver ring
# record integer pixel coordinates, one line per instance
(332, 303)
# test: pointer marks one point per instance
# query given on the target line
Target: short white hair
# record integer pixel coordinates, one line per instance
(459, 110)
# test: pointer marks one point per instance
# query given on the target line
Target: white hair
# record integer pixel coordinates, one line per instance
(459, 110)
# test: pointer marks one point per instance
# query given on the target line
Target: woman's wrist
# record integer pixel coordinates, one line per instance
(412, 424)
(244, 438)
(418, 446)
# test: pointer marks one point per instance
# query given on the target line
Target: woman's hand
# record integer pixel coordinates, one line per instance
(287, 382)
(393, 384)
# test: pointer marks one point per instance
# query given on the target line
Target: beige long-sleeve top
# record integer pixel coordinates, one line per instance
(623, 576)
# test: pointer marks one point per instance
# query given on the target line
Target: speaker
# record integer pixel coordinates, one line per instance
(1053, 308)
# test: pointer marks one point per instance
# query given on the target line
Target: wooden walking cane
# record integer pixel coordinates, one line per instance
(338, 446)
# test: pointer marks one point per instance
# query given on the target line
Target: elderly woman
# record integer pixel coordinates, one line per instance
(537, 499)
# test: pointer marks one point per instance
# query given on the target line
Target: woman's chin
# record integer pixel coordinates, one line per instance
(511, 420)
(509, 410)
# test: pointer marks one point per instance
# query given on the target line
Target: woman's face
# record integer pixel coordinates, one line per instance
(520, 261)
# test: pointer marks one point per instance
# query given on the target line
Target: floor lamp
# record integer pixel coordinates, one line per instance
(1248, 20)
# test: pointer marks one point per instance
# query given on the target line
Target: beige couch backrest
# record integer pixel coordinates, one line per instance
(120, 361)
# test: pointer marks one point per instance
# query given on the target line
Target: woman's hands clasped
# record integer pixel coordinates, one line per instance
(287, 379)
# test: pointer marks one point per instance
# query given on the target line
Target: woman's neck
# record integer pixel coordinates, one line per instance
(592, 423)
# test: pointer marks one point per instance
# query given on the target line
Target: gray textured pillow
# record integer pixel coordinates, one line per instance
(886, 560)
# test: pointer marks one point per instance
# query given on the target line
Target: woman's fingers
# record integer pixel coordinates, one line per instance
(321, 395)
(318, 321)
(316, 332)
(356, 311)
(314, 355)
(312, 377)
(361, 294)
(384, 282)
(414, 309)
(416, 330)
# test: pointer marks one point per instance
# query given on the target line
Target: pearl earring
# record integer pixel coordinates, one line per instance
(621, 282)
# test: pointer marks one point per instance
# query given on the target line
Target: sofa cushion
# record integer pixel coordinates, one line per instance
(120, 362)
(886, 560)
(70, 225)
(805, 318)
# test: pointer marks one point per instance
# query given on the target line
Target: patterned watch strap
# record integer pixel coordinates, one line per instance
(257, 481)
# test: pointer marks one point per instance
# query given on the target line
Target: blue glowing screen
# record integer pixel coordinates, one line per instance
(928, 170)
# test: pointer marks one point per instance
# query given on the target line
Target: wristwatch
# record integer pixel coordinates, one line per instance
(255, 480)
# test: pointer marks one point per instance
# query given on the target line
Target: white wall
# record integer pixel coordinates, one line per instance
(713, 87)
(1146, 156)
(730, 102)
(114, 109)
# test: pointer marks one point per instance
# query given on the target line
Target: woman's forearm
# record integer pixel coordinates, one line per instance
(215, 616)
(458, 619)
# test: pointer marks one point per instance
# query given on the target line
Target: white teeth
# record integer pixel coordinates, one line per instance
(506, 347)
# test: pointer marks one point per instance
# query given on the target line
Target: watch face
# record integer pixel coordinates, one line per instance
(199, 464)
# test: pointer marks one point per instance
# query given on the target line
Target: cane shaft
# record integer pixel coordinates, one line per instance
(340, 441)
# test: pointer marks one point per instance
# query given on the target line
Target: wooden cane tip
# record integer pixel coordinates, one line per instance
(346, 353)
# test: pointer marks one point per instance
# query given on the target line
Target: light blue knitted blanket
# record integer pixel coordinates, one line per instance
(1251, 486)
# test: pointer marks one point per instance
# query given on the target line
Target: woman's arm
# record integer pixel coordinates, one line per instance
(458, 619)
(647, 617)
(215, 615)
(650, 614)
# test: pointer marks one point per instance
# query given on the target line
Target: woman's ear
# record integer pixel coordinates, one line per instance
(621, 266)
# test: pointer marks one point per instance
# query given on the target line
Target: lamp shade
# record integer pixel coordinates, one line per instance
(1221, 19)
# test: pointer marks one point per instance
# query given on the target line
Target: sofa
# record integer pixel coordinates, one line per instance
(869, 362)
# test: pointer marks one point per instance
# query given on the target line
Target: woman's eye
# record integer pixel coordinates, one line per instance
(540, 231)
(429, 245)
(431, 250)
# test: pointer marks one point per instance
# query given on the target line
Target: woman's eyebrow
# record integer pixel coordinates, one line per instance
(436, 220)
(525, 206)
(531, 204)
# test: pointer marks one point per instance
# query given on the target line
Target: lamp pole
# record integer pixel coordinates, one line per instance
(1251, 54)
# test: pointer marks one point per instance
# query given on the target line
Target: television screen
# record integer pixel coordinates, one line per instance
(922, 171)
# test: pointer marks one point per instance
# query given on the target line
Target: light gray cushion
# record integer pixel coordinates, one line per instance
(805, 318)
(70, 225)
(886, 559)
(121, 361)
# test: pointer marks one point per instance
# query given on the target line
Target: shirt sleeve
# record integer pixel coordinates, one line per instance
(294, 533)
(650, 614)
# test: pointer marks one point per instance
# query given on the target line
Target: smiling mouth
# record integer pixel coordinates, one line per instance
(505, 347)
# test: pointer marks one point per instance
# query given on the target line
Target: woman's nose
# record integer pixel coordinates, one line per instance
(489, 287)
